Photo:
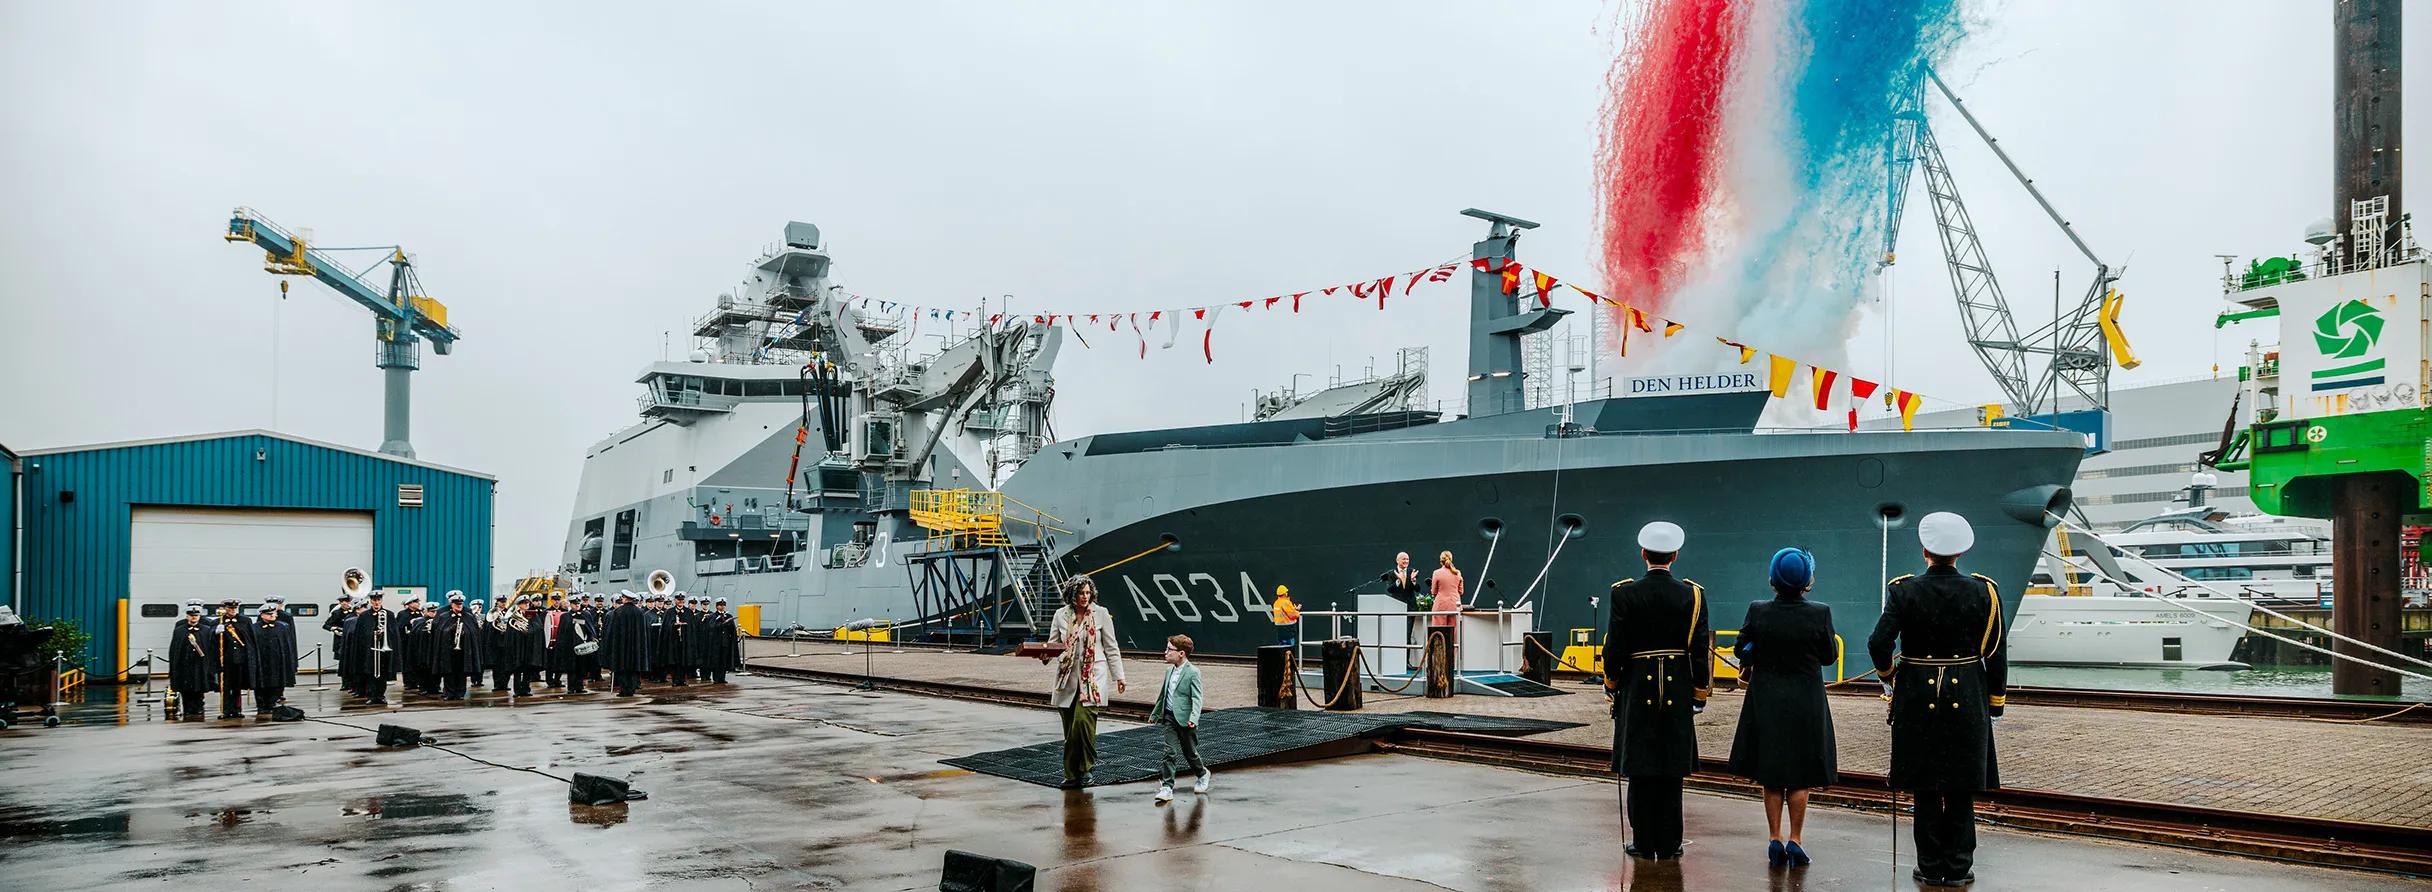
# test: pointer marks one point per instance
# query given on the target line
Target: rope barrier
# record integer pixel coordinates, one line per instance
(1337, 696)
(1379, 678)
(2411, 707)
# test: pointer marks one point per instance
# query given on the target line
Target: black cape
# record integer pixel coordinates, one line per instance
(274, 655)
(1949, 680)
(190, 657)
(1659, 661)
(361, 630)
(724, 647)
(457, 643)
(336, 625)
(232, 652)
(625, 642)
(1785, 739)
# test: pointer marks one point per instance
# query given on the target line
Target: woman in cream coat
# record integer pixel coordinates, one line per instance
(1091, 658)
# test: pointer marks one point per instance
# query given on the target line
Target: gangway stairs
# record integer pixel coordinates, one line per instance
(974, 579)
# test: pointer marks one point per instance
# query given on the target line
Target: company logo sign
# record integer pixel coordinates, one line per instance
(2348, 331)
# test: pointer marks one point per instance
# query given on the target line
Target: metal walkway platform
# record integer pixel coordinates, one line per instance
(1236, 736)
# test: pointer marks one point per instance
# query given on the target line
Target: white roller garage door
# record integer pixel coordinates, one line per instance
(247, 554)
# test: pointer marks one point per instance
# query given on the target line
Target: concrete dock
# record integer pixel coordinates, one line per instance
(2368, 772)
(780, 784)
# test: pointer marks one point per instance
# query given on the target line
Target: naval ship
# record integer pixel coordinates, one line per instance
(806, 460)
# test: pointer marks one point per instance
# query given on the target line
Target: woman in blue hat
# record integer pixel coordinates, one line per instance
(1785, 742)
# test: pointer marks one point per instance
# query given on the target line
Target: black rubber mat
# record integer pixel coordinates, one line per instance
(1233, 736)
(1521, 687)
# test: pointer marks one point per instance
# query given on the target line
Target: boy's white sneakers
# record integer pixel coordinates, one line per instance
(1204, 779)
(1165, 794)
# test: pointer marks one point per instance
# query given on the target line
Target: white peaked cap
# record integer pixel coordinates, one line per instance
(455, 595)
(1946, 534)
(1661, 536)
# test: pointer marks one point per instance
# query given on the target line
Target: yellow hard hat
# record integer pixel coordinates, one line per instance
(1283, 590)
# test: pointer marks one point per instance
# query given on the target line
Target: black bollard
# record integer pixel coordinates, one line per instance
(1278, 677)
(1342, 674)
(1537, 657)
(1439, 661)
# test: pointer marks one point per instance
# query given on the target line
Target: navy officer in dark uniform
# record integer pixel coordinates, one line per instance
(1658, 665)
(1946, 688)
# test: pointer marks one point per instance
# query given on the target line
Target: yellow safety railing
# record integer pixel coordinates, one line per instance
(1580, 652)
(960, 517)
(70, 682)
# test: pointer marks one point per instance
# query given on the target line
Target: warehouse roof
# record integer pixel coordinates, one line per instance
(256, 432)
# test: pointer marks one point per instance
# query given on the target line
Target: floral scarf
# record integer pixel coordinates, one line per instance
(1081, 638)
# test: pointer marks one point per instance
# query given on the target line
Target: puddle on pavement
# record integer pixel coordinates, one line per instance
(603, 816)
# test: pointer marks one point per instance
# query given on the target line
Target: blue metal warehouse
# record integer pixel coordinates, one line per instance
(8, 526)
(117, 535)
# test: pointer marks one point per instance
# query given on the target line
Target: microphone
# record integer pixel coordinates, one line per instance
(1386, 576)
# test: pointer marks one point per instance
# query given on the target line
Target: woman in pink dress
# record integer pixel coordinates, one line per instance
(1446, 586)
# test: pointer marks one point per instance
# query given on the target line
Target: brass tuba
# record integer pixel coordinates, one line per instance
(355, 583)
(660, 582)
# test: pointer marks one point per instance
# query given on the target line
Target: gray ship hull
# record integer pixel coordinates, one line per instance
(1326, 518)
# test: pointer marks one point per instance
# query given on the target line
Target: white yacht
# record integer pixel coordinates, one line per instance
(2172, 591)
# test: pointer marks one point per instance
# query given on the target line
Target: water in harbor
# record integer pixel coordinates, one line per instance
(2261, 681)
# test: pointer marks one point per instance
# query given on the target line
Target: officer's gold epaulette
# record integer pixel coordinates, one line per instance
(1625, 582)
(1988, 582)
(1896, 580)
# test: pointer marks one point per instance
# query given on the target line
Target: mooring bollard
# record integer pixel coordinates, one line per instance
(1279, 677)
(1439, 661)
(1340, 660)
(1537, 656)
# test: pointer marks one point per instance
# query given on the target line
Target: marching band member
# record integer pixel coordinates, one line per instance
(191, 670)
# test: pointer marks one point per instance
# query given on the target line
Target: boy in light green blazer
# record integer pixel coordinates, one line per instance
(1177, 713)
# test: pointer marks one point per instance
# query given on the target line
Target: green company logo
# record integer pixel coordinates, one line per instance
(2347, 331)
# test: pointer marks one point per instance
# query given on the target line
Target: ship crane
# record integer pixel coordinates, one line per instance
(403, 315)
(2081, 344)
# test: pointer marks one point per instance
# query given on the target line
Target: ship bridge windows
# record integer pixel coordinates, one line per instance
(688, 389)
(588, 551)
(620, 550)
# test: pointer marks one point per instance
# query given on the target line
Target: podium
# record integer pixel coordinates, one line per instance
(1381, 636)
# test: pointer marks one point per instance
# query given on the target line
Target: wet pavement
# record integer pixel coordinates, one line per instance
(2351, 771)
(774, 784)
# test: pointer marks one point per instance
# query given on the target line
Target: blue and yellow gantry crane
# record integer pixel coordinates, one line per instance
(404, 316)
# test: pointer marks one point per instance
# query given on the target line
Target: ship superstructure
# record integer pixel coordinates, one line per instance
(1189, 530)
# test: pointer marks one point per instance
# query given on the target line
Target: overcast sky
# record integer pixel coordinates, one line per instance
(577, 180)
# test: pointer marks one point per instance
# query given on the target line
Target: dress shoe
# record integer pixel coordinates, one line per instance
(1798, 856)
(1774, 855)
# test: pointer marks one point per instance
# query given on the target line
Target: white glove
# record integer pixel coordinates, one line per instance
(1887, 686)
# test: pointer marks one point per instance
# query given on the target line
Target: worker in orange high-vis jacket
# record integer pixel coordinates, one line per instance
(1286, 616)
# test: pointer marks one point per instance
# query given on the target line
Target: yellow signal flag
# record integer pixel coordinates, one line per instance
(2109, 319)
(1783, 368)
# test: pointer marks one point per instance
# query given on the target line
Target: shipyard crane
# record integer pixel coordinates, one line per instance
(403, 316)
(2082, 343)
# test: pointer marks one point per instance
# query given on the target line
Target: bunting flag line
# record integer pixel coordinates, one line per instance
(1779, 382)
(1859, 390)
(1510, 275)
(1822, 384)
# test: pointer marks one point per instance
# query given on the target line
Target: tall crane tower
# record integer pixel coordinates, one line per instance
(402, 316)
(2081, 343)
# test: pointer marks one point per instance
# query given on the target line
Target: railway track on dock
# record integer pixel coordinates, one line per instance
(2324, 841)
